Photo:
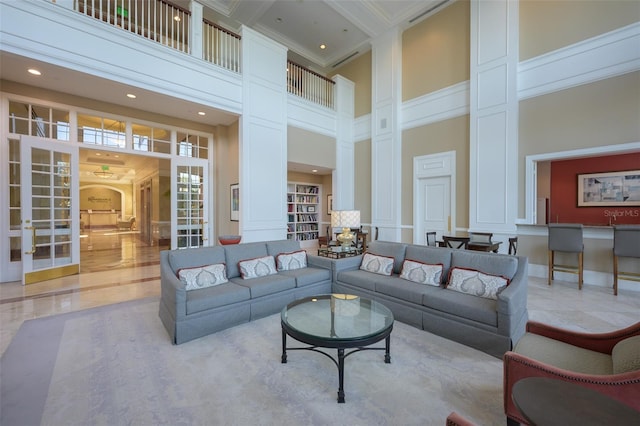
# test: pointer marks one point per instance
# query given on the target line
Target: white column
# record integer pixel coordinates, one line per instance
(195, 31)
(493, 156)
(343, 178)
(263, 139)
(386, 143)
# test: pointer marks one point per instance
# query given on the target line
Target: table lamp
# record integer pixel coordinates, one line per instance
(345, 219)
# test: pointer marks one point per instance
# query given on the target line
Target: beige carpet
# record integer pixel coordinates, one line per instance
(115, 365)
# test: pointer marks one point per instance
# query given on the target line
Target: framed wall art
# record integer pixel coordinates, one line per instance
(235, 202)
(609, 189)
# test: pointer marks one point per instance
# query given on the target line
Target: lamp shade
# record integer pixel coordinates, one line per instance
(345, 219)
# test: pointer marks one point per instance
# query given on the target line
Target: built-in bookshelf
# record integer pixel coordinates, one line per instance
(303, 211)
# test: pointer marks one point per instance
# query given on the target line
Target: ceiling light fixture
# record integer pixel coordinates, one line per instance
(103, 173)
(131, 96)
(202, 113)
(177, 18)
(323, 46)
(34, 71)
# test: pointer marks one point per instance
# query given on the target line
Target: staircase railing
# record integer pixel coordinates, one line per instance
(220, 46)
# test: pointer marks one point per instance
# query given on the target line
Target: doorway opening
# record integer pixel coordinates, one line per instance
(125, 209)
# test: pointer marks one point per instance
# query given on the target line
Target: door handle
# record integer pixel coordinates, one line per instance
(33, 240)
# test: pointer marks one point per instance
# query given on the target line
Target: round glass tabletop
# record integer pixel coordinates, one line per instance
(336, 318)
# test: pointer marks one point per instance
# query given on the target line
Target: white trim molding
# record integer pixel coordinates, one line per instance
(608, 55)
(443, 104)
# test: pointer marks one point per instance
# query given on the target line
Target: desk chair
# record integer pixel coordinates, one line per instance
(456, 242)
(513, 245)
(566, 238)
(626, 243)
(431, 238)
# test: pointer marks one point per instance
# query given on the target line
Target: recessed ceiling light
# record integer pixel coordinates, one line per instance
(177, 18)
(131, 95)
(34, 71)
(323, 46)
(278, 19)
(201, 113)
(315, 170)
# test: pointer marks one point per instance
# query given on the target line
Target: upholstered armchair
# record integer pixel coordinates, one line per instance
(606, 362)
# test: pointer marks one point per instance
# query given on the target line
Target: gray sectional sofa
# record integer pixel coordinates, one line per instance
(492, 326)
(188, 315)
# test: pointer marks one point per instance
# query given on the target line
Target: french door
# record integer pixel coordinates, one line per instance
(190, 199)
(49, 220)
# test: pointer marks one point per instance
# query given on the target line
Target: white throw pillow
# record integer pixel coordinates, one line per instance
(377, 264)
(291, 261)
(203, 276)
(259, 267)
(476, 283)
(422, 273)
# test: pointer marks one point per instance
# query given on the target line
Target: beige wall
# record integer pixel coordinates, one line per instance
(359, 71)
(448, 135)
(593, 115)
(362, 187)
(227, 147)
(306, 147)
(436, 51)
(549, 25)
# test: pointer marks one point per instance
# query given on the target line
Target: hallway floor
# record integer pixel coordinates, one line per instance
(118, 266)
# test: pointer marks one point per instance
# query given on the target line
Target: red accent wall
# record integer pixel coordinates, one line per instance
(564, 191)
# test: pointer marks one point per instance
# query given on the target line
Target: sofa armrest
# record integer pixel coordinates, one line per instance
(172, 291)
(512, 303)
(623, 387)
(599, 342)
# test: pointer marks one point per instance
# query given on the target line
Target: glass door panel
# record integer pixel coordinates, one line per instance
(190, 204)
(50, 230)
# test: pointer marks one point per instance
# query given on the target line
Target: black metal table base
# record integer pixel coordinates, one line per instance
(339, 362)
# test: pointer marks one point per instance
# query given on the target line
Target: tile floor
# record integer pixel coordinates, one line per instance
(116, 267)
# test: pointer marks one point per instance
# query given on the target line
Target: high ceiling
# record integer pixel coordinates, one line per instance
(345, 27)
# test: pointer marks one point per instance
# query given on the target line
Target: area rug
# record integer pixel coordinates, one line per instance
(115, 365)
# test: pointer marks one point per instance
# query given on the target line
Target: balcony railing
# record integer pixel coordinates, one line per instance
(309, 85)
(220, 46)
(155, 20)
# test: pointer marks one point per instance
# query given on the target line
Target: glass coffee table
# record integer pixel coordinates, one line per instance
(340, 321)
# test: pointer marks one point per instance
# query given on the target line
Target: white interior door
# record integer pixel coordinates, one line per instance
(50, 221)
(189, 199)
(434, 206)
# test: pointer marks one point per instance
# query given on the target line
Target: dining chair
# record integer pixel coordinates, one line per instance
(431, 238)
(456, 242)
(566, 238)
(513, 245)
(626, 243)
(481, 237)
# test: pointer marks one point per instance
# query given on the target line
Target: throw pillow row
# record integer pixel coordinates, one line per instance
(209, 275)
(463, 280)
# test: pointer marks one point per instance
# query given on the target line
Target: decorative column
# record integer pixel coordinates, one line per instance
(343, 177)
(386, 136)
(493, 155)
(263, 139)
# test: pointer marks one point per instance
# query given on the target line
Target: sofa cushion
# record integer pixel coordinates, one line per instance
(203, 276)
(237, 252)
(422, 273)
(382, 265)
(489, 263)
(264, 286)
(476, 283)
(431, 255)
(626, 355)
(180, 259)
(462, 305)
(563, 355)
(404, 290)
(291, 261)
(215, 297)
(258, 267)
(308, 275)
(389, 249)
(359, 278)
